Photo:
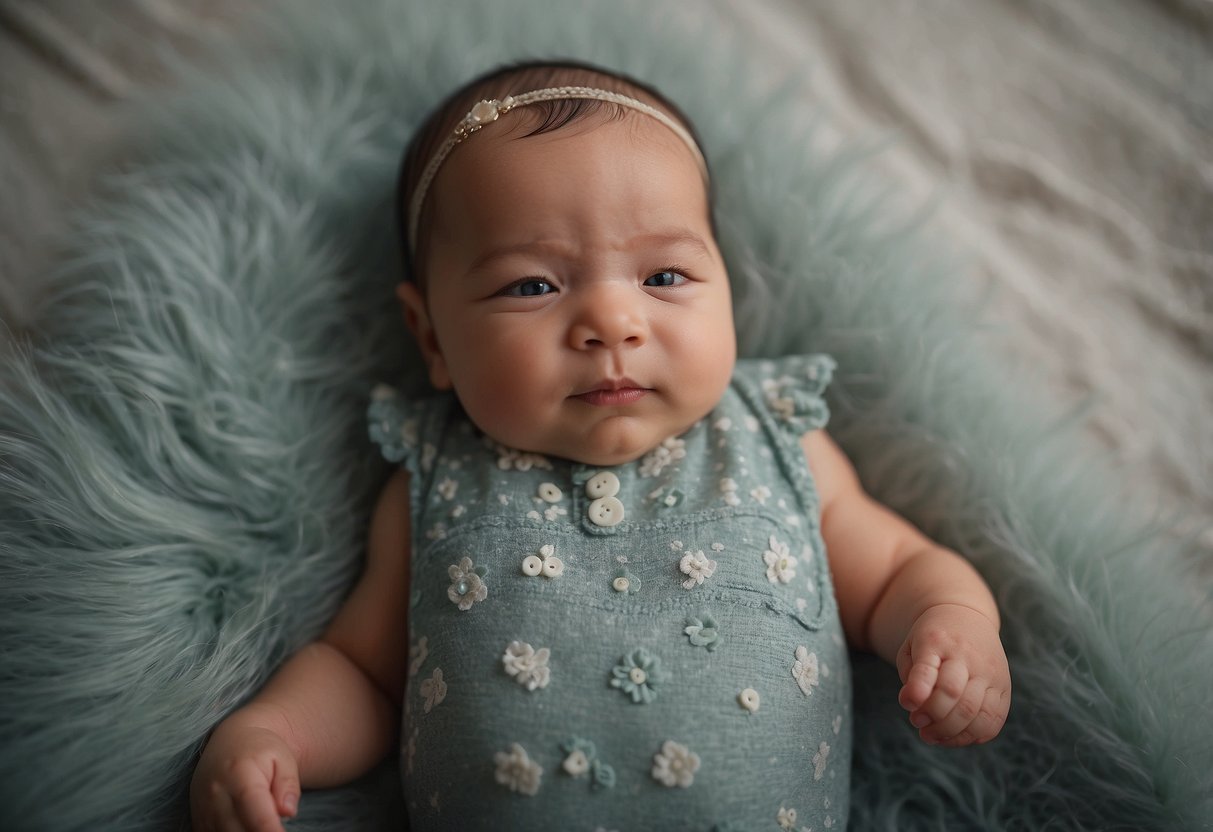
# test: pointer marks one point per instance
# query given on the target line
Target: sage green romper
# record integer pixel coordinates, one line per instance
(654, 645)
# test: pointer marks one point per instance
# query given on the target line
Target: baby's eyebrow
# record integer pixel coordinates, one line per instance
(653, 239)
(671, 237)
(553, 247)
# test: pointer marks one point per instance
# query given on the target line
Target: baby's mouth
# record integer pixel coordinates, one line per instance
(613, 393)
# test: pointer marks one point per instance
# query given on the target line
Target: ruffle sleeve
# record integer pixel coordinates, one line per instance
(793, 388)
(393, 424)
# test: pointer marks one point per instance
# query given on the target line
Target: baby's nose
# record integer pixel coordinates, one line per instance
(608, 319)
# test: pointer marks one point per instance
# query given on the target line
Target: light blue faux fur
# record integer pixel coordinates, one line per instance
(184, 479)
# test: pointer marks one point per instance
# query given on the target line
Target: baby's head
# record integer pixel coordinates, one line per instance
(564, 277)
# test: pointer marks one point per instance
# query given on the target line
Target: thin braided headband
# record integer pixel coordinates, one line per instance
(486, 112)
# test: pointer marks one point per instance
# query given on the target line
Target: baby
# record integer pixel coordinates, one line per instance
(611, 578)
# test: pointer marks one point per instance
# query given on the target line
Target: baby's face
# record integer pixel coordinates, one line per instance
(576, 300)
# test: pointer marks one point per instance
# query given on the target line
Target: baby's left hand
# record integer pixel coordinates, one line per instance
(955, 680)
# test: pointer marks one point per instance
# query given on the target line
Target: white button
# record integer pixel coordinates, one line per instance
(602, 484)
(637, 675)
(605, 511)
(553, 567)
(549, 492)
(621, 584)
(532, 565)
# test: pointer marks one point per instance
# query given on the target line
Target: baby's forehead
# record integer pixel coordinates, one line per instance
(533, 142)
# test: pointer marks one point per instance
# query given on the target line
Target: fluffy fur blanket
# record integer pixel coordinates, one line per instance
(185, 479)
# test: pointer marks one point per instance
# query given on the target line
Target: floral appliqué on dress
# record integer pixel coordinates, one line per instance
(675, 765)
(433, 690)
(516, 771)
(702, 631)
(781, 566)
(638, 674)
(528, 666)
(668, 452)
(582, 758)
(467, 583)
(698, 566)
(806, 671)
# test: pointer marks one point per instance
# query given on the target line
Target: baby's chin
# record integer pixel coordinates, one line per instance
(617, 441)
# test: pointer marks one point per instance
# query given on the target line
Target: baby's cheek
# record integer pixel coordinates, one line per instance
(703, 367)
(502, 398)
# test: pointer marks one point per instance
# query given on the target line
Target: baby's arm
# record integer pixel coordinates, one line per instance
(916, 604)
(332, 711)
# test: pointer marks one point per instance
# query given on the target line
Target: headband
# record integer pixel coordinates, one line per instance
(487, 111)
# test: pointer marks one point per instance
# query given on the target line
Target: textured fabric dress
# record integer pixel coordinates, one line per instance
(654, 645)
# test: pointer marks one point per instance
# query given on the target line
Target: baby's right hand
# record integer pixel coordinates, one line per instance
(247, 779)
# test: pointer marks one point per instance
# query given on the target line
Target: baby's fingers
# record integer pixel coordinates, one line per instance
(257, 812)
(255, 806)
(956, 726)
(989, 719)
(919, 682)
(950, 683)
(285, 789)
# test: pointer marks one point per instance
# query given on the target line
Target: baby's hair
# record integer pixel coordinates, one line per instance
(513, 79)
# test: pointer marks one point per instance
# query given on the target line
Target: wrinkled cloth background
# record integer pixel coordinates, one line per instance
(1065, 147)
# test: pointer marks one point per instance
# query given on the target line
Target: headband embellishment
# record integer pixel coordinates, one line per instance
(484, 112)
(487, 111)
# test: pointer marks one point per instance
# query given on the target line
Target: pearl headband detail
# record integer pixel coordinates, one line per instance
(487, 111)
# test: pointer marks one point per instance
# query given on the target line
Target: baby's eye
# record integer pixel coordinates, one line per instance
(666, 278)
(529, 288)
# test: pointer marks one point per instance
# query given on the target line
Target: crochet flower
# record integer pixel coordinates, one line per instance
(579, 754)
(602, 776)
(702, 632)
(799, 408)
(781, 566)
(806, 671)
(386, 425)
(669, 451)
(516, 771)
(428, 451)
(418, 652)
(467, 584)
(728, 491)
(820, 759)
(675, 765)
(698, 566)
(528, 666)
(638, 674)
(668, 499)
(582, 758)
(508, 458)
(433, 690)
(447, 488)
(410, 751)
(783, 406)
(786, 818)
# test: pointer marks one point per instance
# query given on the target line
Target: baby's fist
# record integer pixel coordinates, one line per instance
(955, 680)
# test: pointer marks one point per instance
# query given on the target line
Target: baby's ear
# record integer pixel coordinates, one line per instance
(417, 317)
